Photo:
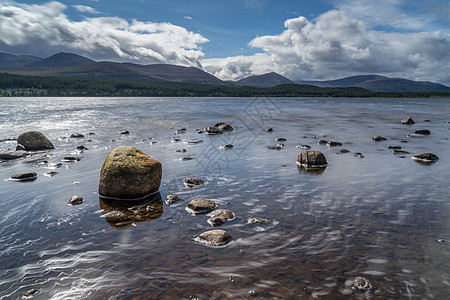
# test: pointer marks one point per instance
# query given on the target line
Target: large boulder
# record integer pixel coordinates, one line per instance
(312, 158)
(34, 140)
(128, 173)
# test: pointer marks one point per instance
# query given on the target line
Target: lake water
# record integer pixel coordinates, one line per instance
(384, 217)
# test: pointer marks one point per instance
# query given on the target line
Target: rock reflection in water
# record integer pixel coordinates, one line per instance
(311, 170)
(121, 214)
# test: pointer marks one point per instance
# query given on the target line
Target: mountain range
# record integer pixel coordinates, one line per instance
(76, 66)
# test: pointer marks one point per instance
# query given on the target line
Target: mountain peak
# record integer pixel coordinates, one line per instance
(264, 80)
(62, 59)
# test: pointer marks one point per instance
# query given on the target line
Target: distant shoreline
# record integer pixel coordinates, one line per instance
(36, 86)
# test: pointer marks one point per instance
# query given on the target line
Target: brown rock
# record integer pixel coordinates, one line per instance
(312, 158)
(34, 140)
(214, 238)
(128, 173)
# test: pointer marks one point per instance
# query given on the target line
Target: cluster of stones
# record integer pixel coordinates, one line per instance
(218, 128)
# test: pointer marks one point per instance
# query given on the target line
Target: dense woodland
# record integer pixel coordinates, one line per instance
(33, 86)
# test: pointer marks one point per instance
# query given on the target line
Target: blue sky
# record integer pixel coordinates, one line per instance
(321, 39)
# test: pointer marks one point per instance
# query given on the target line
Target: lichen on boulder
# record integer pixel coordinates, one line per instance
(129, 174)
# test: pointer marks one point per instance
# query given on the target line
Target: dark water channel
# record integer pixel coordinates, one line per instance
(384, 217)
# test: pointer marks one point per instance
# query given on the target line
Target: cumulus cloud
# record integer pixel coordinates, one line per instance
(338, 45)
(46, 29)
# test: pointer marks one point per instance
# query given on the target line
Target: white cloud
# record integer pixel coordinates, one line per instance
(338, 45)
(397, 14)
(187, 18)
(46, 29)
(84, 8)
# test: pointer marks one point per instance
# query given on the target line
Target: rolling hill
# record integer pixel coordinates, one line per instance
(265, 80)
(75, 66)
(377, 83)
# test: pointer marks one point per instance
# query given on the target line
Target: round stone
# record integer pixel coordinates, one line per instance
(24, 176)
(200, 205)
(128, 173)
(193, 182)
(312, 158)
(34, 140)
(214, 238)
(426, 157)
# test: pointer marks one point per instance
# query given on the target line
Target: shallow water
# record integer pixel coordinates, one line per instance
(379, 217)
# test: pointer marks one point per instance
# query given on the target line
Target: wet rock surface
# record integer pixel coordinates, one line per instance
(312, 158)
(13, 154)
(422, 132)
(361, 284)
(121, 214)
(220, 216)
(128, 173)
(257, 221)
(34, 141)
(76, 136)
(74, 200)
(378, 138)
(214, 238)
(212, 130)
(24, 176)
(172, 199)
(200, 205)
(426, 157)
(193, 182)
(408, 121)
(334, 144)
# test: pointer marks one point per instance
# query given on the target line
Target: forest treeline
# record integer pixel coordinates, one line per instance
(33, 86)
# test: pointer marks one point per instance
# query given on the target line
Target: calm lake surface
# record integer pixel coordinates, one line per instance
(385, 217)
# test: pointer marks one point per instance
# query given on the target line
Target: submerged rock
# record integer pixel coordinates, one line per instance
(395, 147)
(128, 173)
(11, 154)
(71, 158)
(77, 135)
(257, 221)
(395, 151)
(334, 144)
(171, 199)
(214, 238)
(343, 151)
(408, 121)
(361, 284)
(24, 176)
(200, 205)
(30, 292)
(378, 138)
(312, 158)
(34, 140)
(193, 182)
(127, 213)
(425, 157)
(422, 132)
(305, 147)
(358, 154)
